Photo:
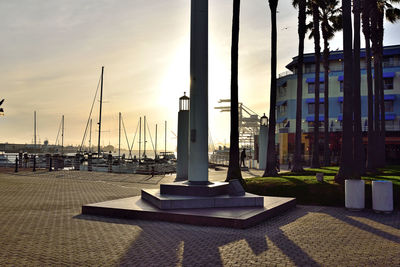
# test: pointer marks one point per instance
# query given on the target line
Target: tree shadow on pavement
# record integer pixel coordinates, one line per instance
(168, 244)
(389, 220)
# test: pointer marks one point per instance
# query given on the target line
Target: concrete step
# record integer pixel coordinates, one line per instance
(166, 201)
(185, 188)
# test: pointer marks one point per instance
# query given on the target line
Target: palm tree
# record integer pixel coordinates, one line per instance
(330, 23)
(297, 165)
(374, 15)
(317, 50)
(346, 160)
(270, 170)
(234, 171)
(358, 145)
(383, 8)
(366, 7)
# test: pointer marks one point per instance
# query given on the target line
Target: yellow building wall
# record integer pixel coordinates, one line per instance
(283, 147)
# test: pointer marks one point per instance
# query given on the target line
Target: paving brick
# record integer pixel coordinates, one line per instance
(41, 224)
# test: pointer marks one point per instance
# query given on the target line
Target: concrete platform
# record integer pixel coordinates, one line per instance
(186, 188)
(242, 217)
(163, 201)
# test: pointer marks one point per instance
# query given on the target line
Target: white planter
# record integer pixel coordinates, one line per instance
(382, 196)
(354, 194)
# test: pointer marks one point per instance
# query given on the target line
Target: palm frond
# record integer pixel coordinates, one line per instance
(392, 15)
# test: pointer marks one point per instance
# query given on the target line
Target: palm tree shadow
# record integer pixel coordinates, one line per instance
(166, 244)
(386, 219)
(252, 173)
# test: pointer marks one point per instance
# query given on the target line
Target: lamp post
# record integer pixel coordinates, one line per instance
(263, 142)
(183, 139)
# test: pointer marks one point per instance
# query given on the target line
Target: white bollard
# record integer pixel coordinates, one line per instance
(382, 196)
(320, 177)
(354, 194)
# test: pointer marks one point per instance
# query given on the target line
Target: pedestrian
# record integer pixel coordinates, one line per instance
(242, 158)
(278, 166)
(289, 163)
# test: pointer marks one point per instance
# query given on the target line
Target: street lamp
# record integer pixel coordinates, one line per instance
(184, 102)
(264, 120)
(263, 143)
(182, 167)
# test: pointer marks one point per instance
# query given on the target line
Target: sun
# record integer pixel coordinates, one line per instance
(176, 79)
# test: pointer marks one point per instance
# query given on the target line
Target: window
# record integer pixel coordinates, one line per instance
(311, 124)
(388, 83)
(311, 88)
(388, 106)
(388, 62)
(309, 68)
(282, 124)
(283, 108)
(389, 124)
(341, 86)
(282, 91)
(311, 108)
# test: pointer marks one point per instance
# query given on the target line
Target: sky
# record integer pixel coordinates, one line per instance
(51, 54)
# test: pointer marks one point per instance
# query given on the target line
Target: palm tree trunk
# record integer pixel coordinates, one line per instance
(346, 160)
(377, 84)
(317, 48)
(382, 92)
(327, 160)
(270, 170)
(366, 8)
(297, 163)
(371, 133)
(371, 138)
(234, 171)
(359, 157)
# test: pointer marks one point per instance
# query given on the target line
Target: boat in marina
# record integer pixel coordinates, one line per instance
(163, 162)
(4, 162)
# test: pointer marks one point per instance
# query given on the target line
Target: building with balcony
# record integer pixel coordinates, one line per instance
(286, 104)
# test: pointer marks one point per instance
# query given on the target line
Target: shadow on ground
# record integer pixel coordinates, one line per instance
(202, 246)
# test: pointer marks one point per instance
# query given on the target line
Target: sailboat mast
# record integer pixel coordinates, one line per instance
(119, 137)
(90, 136)
(62, 135)
(144, 141)
(140, 136)
(165, 148)
(34, 128)
(155, 149)
(101, 105)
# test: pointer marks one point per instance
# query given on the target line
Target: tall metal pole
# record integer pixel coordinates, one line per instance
(90, 136)
(119, 137)
(144, 133)
(165, 148)
(155, 149)
(140, 136)
(198, 146)
(101, 105)
(62, 135)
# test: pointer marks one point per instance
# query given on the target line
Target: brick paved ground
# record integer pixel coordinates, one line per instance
(40, 224)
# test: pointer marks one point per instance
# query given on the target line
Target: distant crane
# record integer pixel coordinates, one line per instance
(249, 122)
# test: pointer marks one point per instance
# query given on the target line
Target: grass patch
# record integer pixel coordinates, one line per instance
(308, 191)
